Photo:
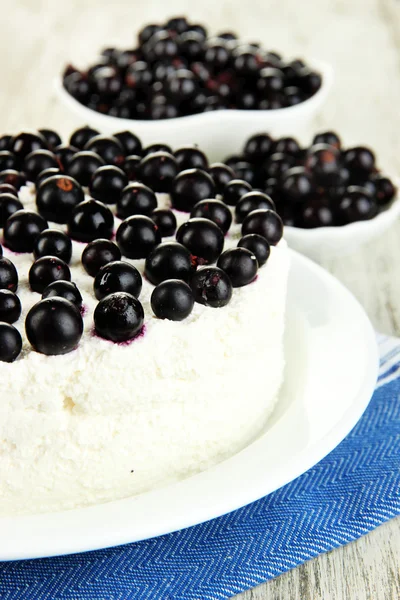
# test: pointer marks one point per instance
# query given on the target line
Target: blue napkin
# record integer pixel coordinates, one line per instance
(350, 492)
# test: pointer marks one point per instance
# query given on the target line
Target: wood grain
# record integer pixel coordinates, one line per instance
(361, 39)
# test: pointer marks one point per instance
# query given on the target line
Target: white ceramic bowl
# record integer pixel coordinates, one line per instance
(324, 243)
(218, 133)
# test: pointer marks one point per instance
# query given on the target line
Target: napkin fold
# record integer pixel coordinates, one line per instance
(350, 492)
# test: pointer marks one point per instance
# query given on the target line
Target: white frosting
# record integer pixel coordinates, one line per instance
(108, 421)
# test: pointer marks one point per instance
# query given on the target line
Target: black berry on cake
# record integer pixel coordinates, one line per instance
(118, 317)
(173, 300)
(117, 276)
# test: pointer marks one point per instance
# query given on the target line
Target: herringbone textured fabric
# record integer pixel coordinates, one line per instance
(350, 492)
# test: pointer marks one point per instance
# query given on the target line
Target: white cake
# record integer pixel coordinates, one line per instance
(109, 421)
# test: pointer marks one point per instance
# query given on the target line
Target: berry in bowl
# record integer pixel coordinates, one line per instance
(179, 75)
(331, 199)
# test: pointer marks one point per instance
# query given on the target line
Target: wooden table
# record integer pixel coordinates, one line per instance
(361, 39)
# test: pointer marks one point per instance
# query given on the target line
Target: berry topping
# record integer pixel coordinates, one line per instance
(173, 300)
(258, 148)
(131, 166)
(52, 242)
(234, 191)
(165, 221)
(38, 161)
(45, 270)
(117, 276)
(83, 165)
(54, 326)
(64, 154)
(323, 163)
(136, 199)
(21, 230)
(356, 205)
(24, 143)
(52, 138)
(99, 253)
(5, 142)
(137, 236)
(169, 260)
(240, 264)
(57, 196)
(90, 220)
(327, 137)
(109, 149)
(81, 136)
(215, 211)
(63, 289)
(266, 223)
(189, 187)
(153, 148)
(252, 201)
(315, 212)
(118, 317)
(203, 238)
(9, 204)
(45, 174)
(258, 245)
(8, 275)
(107, 184)
(211, 286)
(15, 178)
(10, 343)
(8, 160)
(221, 175)
(190, 157)
(10, 306)
(297, 184)
(360, 160)
(130, 142)
(7, 188)
(158, 170)
(385, 190)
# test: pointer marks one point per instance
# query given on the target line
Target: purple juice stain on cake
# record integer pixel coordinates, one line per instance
(83, 310)
(141, 333)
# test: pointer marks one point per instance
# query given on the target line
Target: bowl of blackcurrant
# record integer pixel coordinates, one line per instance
(178, 84)
(331, 199)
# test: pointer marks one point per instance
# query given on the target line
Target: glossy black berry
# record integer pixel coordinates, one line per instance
(360, 161)
(286, 145)
(234, 191)
(15, 178)
(52, 138)
(131, 167)
(83, 165)
(258, 245)
(22, 229)
(45, 270)
(156, 148)
(327, 137)
(52, 242)
(54, 326)
(118, 317)
(109, 149)
(63, 289)
(323, 164)
(161, 46)
(385, 190)
(37, 161)
(356, 205)
(215, 211)
(81, 136)
(117, 276)
(277, 164)
(169, 260)
(8, 160)
(64, 153)
(90, 220)
(253, 200)
(9, 204)
(240, 265)
(211, 286)
(45, 174)
(221, 175)
(172, 300)
(178, 24)
(7, 188)
(315, 212)
(137, 236)
(10, 343)
(190, 157)
(158, 170)
(266, 223)
(165, 221)
(8, 275)
(99, 253)
(189, 187)
(26, 142)
(5, 141)
(10, 306)
(146, 33)
(203, 238)
(57, 196)
(136, 199)
(297, 184)
(130, 142)
(258, 148)
(107, 184)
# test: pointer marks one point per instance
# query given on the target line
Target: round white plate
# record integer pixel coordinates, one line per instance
(332, 364)
(217, 133)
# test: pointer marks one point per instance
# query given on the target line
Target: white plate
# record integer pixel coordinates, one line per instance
(332, 364)
(218, 133)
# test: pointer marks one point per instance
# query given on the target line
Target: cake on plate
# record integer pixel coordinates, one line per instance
(141, 318)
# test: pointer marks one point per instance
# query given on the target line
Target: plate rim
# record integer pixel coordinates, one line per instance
(45, 542)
